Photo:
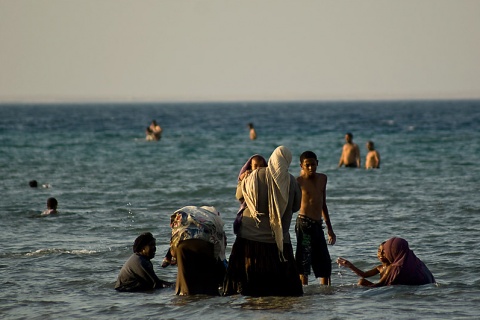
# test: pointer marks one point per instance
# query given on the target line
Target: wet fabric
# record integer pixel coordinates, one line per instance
(199, 272)
(137, 275)
(312, 251)
(278, 181)
(278, 184)
(405, 268)
(202, 223)
(250, 276)
(257, 266)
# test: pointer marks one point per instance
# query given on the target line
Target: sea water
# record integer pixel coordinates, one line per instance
(112, 185)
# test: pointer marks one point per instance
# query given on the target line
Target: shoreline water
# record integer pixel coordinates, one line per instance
(112, 185)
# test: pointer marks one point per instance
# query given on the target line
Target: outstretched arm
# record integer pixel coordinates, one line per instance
(360, 273)
(382, 282)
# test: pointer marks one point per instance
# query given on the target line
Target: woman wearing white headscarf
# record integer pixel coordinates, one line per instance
(262, 262)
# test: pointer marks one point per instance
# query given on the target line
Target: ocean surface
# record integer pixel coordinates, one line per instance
(112, 185)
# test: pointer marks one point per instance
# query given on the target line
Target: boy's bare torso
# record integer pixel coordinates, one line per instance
(313, 195)
(372, 159)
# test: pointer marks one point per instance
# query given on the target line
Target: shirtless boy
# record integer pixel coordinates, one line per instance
(350, 157)
(372, 160)
(312, 248)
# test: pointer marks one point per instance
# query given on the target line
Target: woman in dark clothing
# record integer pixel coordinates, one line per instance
(137, 273)
(262, 262)
(404, 268)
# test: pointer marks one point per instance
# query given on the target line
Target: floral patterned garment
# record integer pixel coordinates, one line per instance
(203, 223)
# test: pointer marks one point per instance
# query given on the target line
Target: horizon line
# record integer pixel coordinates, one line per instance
(227, 101)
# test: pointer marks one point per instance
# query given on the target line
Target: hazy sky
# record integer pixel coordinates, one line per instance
(60, 50)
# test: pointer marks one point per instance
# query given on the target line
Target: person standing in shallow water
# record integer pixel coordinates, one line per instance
(261, 264)
(149, 136)
(350, 157)
(137, 273)
(156, 130)
(253, 133)
(372, 161)
(198, 243)
(312, 251)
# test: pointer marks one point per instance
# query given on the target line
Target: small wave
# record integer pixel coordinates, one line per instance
(43, 252)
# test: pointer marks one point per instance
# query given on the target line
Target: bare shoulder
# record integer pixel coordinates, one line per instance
(321, 177)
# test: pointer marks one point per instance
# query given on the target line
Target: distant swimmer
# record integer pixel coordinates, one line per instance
(52, 204)
(372, 160)
(149, 136)
(350, 157)
(253, 133)
(156, 130)
(34, 184)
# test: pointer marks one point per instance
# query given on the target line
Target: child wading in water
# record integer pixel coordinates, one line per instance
(380, 269)
(312, 251)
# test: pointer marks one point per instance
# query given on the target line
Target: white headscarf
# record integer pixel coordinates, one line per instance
(250, 195)
(278, 184)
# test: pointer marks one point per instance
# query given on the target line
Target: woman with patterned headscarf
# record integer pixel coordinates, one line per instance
(405, 268)
(261, 261)
(198, 242)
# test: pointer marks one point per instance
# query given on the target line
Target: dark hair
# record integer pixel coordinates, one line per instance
(141, 241)
(52, 203)
(250, 125)
(33, 183)
(308, 155)
(349, 134)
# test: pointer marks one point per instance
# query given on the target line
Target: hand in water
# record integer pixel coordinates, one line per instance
(342, 262)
